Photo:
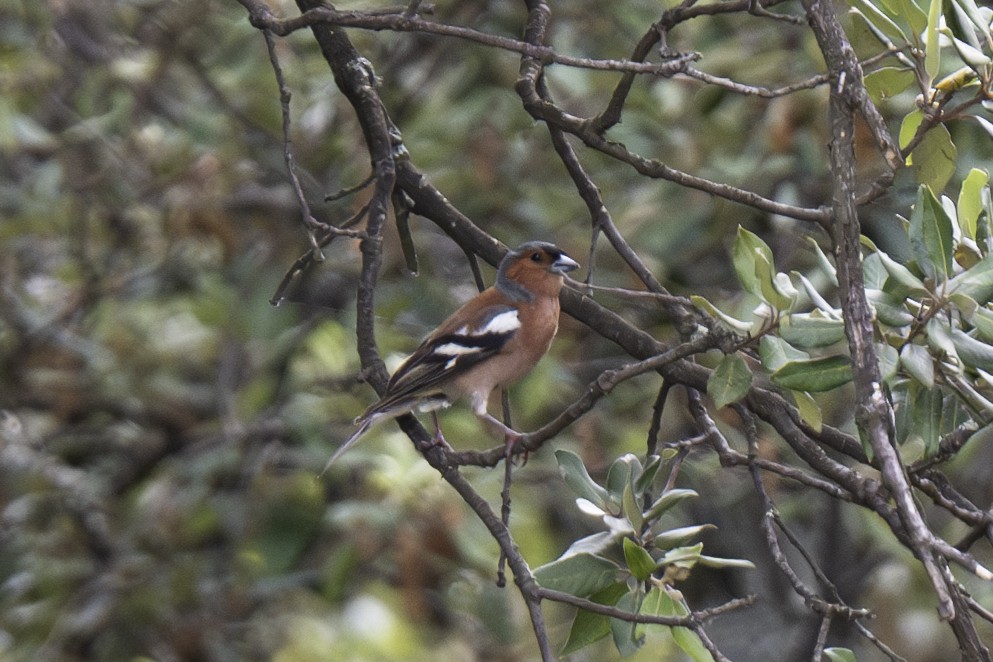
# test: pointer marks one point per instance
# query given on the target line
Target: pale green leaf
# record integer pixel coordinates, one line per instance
(976, 281)
(974, 353)
(690, 643)
(626, 634)
(660, 603)
(908, 128)
(639, 561)
(736, 325)
(815, 296)
(881, 21)
(939, 338)
(982, 319)
(925, 415)
(666, 540)
(815, 375)
(667, 500)
(839, 655)
(775, 351)
(620, 475)
(588, 627)
(931, 236)
(970, 202)
(888, 82)
(755, 266)
(934, 158)
(811, 330)
(932, 49)
(682, 555)
(823, 260)
(579, 574)
(888, 359)
(810, 411)
(578, 478)
(915, 17)
(917, 362)
(730, 381)
(631, 510)
(901, 281)
(889, 310)
(718, 562)
(972, 56)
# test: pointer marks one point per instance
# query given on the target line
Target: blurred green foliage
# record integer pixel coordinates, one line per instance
(162, 424)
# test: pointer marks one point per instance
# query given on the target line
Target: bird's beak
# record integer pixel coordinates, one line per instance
(563, 264)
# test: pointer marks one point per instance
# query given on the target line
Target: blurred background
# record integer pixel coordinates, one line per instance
(162, 424)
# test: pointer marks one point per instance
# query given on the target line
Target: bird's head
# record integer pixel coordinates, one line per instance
(534, 268)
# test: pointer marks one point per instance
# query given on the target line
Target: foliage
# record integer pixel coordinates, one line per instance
(781, 352)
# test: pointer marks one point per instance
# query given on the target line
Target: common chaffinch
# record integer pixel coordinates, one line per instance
(493, 340)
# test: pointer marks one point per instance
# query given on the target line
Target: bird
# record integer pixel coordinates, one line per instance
(490, 342)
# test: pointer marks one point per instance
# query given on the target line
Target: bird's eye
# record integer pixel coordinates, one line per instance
(536, 257)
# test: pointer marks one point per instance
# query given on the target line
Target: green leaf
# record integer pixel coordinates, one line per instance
(730, 381)
(619, 476)
(939, 339)
(755, 266)
(974, 353)
(888, 82)
(976, 281)
(823, 260)
(972, 56)
(578, 574)
(901, 282)
(666, 540)
(691, 644)
(642, 482)
(934, 158)
(718, 562)
(925, 406)
(685, 556)
(839, 655)
(917, 362)
(810, 411)
(626, 634)
(658, 602)
(908, 128)
(736, 325)
(970, 202)
(971, 10)
(639, 561)
(889, 310)
(811, 329)
(743, 258)
(596, 544)
(668, 499)
(578, 479)
(914, 16)
(888, 359)
(983, 321)
(588, 627)
(775, 352)
(815, 375)
(815, 296)
(631, 510)
(965, 304)
(881, 21)
(931, 236)
(932, 49)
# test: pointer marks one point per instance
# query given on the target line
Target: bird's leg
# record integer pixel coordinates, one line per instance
(438, 439)
(495, 426)
(500, 429)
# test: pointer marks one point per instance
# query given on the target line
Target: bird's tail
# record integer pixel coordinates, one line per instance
(364, 424)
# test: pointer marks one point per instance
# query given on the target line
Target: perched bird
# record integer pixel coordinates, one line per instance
(493, 340)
